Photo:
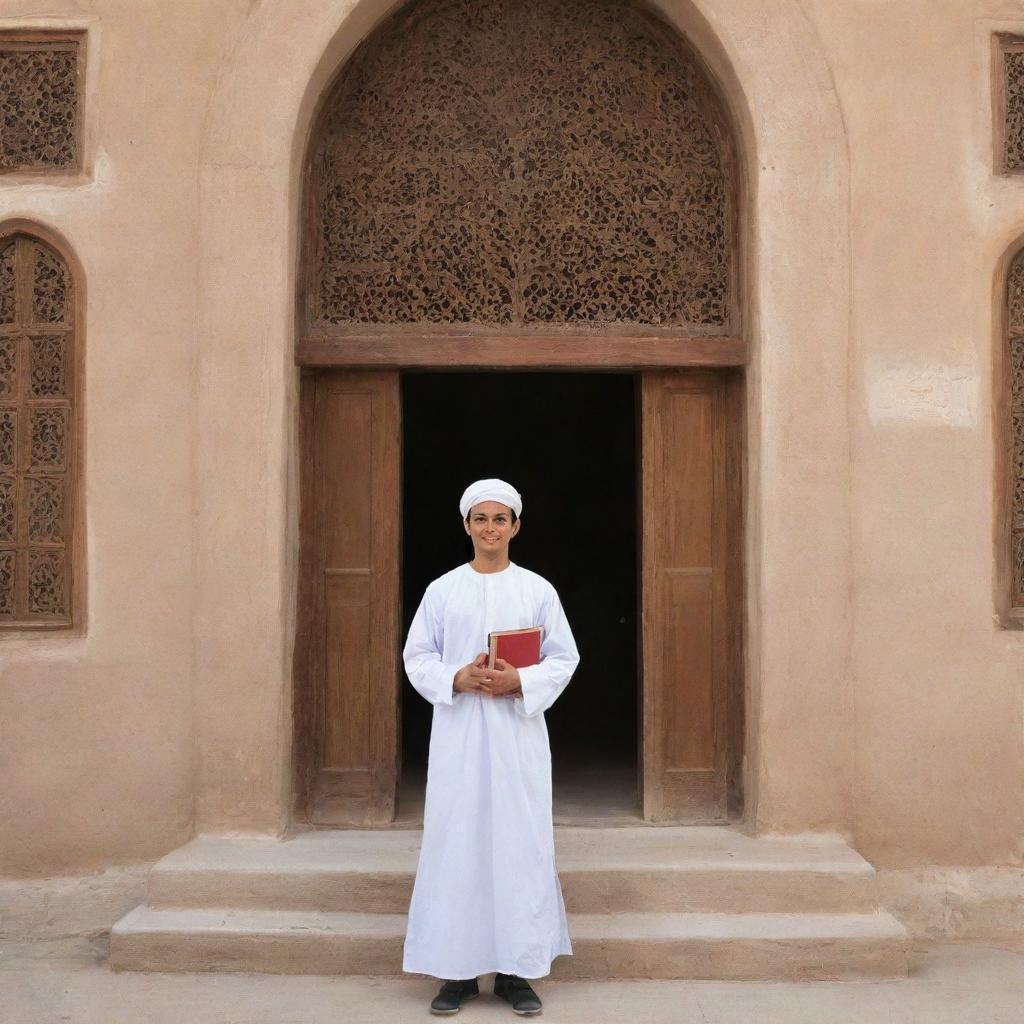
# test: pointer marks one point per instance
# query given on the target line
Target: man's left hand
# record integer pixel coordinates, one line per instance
(503, 680)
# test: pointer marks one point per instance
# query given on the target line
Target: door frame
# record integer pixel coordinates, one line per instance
(314, 800)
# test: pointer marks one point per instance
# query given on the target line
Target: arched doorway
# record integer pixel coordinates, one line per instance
(521, 186)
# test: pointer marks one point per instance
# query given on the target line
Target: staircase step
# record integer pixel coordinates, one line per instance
(736, 947)
(602, 870)
(637, 945)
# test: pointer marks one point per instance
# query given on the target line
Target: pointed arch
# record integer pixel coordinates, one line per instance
(584, 176)
(768, 58)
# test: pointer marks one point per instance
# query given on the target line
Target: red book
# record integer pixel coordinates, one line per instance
(519, 647)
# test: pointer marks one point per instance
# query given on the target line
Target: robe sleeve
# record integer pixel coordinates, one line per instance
(431, 677)
(542, 683)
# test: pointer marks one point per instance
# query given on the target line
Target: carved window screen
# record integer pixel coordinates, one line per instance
(1008, 104)
(1015, 362)
(522, 162)
(40, 102)
(37, 425)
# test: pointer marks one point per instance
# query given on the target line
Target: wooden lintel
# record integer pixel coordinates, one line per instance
(535, 352)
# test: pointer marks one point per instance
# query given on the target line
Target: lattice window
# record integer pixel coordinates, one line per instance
(40, 103)
(1008, 102)
(37, 445)
(522, 162)
(1015, 319)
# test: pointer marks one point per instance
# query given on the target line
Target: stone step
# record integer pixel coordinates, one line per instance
(602, 870)
(658, 945)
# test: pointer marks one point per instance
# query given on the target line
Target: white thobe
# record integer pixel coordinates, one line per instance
(487, 895)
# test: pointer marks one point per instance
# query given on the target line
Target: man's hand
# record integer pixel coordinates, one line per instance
(471, 678)
(502, 680)
(476, 677)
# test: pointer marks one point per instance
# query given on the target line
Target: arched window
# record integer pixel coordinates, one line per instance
(38, 443)
(1015, 362)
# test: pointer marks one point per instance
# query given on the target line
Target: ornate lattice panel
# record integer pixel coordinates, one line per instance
(1013, 105)
(1015, 318)
(37, 464)
(522, 162)
(40, 103)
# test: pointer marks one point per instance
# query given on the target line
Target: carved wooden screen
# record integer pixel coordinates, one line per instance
(1013, 124)
(535, 163)
(1015, 363)
(37, 427)
(40, 102)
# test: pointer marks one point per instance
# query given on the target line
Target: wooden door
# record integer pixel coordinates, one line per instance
(349, 599)
(691, 718)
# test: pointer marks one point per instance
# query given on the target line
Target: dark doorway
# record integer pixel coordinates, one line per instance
(568, 443)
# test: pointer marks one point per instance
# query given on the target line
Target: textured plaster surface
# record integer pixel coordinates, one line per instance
(60, 907)
(937, 724)
(884, 700)
(956, 903)
(96, 733)
(797, 200)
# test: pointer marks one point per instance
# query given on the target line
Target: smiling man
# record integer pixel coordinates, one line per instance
(487, 895)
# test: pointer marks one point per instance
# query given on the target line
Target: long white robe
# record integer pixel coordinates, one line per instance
(487, 895)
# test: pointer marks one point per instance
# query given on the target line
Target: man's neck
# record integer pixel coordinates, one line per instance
(493, 564)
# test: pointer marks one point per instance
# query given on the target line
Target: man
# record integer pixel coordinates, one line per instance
(487, 895)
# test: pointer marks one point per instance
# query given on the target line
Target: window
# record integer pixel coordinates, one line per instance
(38, 434)
(1015, 363)
(40, 102)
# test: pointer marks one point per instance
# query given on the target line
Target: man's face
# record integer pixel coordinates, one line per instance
(490, 525)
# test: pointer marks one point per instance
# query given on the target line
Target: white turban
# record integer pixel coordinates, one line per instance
(490, 490)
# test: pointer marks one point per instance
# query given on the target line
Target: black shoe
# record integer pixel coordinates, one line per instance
(452, 993)
(517, 991)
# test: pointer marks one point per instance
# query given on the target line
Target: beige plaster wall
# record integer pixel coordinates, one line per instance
(884, 702)
(939, 686)
(763, 50)
(96, 733)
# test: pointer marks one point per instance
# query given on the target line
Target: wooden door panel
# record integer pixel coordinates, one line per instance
(689, 744)
(687, 473)
(345, 456)
(350, 595)
(689, 507)
(347, 677)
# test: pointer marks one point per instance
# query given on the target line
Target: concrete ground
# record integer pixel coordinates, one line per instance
(69, 982)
